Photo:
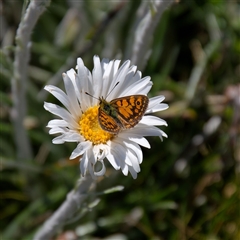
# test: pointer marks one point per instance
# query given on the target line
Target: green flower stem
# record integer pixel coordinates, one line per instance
(66, 211)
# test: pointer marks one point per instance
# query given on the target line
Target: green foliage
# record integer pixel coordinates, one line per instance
(188, 187)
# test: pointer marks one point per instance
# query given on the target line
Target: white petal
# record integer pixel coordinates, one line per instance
(74, 107)
(116, 67)
(125, 169)
(57, 122)
(80, 149)
(83, 83)
(58, 140)
(153, 120)
(128, 81)
(73, 137)
(107, 78)
(59, 94)
(137, 138)
(141, 141)
(100, 151)
(145, 130)
(136, 149)
(104, 63)
(112, 159)
(91, 162)
(97, 76)
(56, 130)
(119, 78)
(156, 100)
(84, 164)
(155, 104)
(129, 145)
(133, 172)
(71, 74)
(119, 154)
(142, 86)
(61, 112)
(133, 159)
(159, 107)
(122, 150)
(102, 171)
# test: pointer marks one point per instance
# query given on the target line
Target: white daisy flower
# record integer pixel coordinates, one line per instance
(104, 128)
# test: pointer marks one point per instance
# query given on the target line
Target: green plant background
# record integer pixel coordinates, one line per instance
(188, 187)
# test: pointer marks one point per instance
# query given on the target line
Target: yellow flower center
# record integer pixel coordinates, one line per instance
(90, 128)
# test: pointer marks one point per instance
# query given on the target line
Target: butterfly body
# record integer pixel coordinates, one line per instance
(121, 113)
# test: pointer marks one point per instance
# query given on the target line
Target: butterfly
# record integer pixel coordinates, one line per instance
(121, 113)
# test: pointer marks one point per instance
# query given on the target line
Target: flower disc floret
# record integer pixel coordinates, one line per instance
(90, 128)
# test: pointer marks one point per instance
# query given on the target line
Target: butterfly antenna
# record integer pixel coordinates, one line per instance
(106, 96)
(112, 89)
(91, 95)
